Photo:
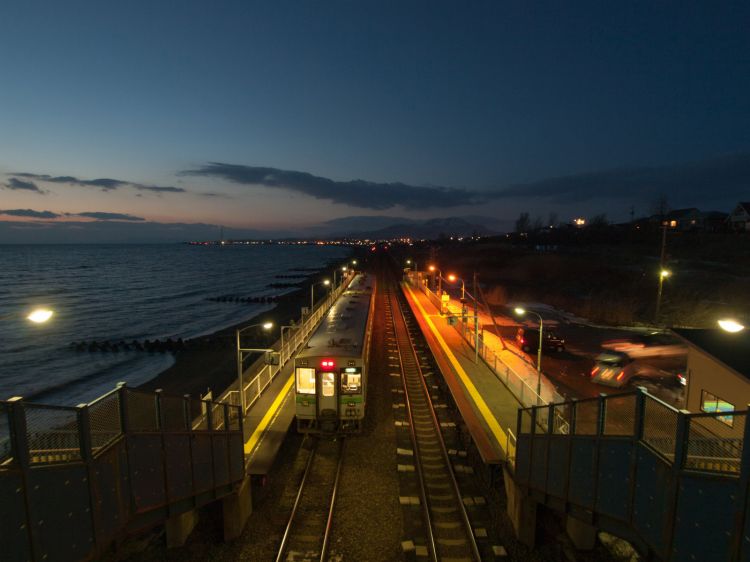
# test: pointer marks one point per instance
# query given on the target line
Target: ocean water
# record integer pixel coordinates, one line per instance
(124, 292)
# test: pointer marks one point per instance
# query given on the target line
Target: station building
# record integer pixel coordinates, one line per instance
(718, 369)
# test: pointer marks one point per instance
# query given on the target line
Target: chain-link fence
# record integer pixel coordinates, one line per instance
(710, 452)
(142, 414)
(619, 415)
(660, 426)
(105, 420)
(586, 416)
(52, 433)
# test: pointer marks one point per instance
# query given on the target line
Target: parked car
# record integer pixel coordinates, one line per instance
(528, 340)
(654, 344)
(614, 368)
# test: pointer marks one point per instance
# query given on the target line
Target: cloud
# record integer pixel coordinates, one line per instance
(16, 184)
(105, 184)
(724, 177)
(102, 216)
(30, 213)
(356, 193)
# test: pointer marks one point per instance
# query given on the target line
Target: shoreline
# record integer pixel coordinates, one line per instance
(210, 361)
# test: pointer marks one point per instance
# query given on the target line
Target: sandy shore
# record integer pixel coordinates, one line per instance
(210, 361)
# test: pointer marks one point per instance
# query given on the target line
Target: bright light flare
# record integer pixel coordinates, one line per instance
(731, 326)
(268, 325)
(665, 273)
(40, 315)
(520, 311)
(451, 278)
(431, 268)
(326, 282)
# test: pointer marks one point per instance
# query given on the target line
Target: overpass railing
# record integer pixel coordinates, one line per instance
(75, 479)
(673, 482)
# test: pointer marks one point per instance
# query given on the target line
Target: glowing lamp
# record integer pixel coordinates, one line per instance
(40, 315)
(731, 326)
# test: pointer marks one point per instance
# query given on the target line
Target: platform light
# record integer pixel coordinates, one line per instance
(520, 311)
(665, 273)
(729, 325)
(327, 363)
(268, 325)
(451, 278)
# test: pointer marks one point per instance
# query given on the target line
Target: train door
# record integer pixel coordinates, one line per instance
(327, 400)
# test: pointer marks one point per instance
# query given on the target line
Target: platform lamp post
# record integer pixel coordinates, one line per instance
(266, 326)
(282, 337)
(730, 325)
(522, 312)
(432, 269)
(663, 274)
(325, 282)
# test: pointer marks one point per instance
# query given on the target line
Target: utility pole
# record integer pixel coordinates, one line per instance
(662, 271)
(476, 322)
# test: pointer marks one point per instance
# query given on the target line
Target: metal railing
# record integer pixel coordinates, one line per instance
(259, 376)
(82, 477)
(514, 382)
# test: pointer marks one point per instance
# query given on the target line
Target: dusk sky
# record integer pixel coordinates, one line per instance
(278, 115)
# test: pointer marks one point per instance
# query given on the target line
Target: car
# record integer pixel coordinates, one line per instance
(653, 344)
(618, 369)
(528, 340)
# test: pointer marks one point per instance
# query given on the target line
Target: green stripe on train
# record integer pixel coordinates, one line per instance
(310, 399)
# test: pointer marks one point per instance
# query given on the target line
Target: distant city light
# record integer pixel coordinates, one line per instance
(579, 221)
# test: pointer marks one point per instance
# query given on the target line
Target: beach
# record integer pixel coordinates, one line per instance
(213, 364)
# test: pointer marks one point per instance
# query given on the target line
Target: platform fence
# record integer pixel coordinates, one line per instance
(464, 325)
(258, 377)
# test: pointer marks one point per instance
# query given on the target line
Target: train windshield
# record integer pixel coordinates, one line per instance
(328, 383)
(305, 380)
(351, 380)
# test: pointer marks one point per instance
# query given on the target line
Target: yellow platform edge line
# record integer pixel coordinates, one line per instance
(250, 443)
(497, 431)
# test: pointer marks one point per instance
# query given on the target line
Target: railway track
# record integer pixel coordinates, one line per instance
(448, 531)
(306, 537)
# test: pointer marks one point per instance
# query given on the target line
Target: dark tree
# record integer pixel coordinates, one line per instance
(523, 223)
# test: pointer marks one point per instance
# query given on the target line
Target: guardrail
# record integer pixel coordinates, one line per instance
(75, 479)
(261, 376)
(673, 482)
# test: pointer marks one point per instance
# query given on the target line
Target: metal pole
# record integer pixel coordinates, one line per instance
(539, 359)
(476, 318)
(658, 296)
(312, 298)
(661, 269)
(239, 373)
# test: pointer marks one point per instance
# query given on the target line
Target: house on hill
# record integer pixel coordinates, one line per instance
(739, 219)
(683, 219)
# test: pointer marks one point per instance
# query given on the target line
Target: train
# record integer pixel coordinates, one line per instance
(331, 369)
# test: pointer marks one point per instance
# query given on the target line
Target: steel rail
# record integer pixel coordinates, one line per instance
(452, 476)
(432, 549)
(329, 522)
(290, 523)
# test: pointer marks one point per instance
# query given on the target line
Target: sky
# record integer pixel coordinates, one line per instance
(141, 118)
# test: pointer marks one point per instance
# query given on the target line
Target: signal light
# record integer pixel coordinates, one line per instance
(327, 363)
(622, 374)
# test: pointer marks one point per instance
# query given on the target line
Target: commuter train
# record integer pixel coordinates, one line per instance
(331, 370)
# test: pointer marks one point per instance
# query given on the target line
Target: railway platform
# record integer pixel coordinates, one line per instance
(488, 408)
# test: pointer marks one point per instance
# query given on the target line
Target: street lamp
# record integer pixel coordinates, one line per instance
(663, 274)
(522, 312)
(729, 325)
(325, 282)
(266, 326)
(452, 278)
(282, 336)
(432, 269)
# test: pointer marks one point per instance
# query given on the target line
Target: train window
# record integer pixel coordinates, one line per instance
(305, 380)
(351, 381)
(327, 381)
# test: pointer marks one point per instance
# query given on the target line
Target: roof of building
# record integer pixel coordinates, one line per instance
(731, 349)
(745, 205)
(681, 213)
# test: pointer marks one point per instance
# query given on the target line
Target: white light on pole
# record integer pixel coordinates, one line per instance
(729, 325)
(266, 326)
(522, 312)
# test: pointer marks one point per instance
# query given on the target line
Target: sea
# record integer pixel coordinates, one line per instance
(126, 292)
